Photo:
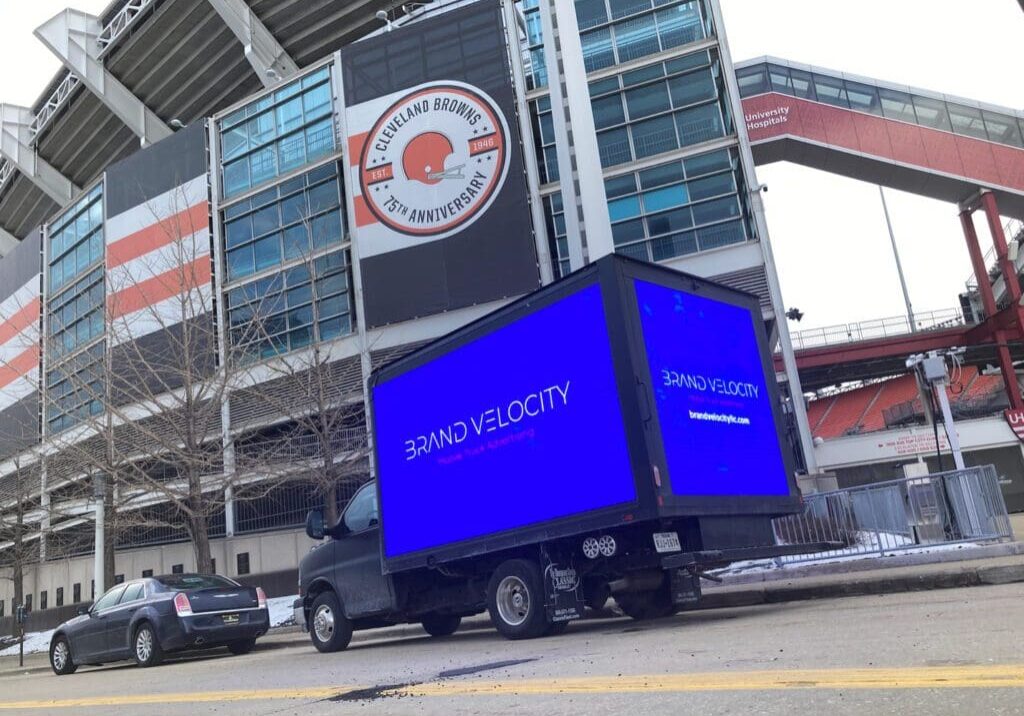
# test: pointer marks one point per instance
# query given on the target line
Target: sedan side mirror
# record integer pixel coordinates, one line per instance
(315, 524)
(82, 611)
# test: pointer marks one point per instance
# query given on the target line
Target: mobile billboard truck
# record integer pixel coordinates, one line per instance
(615, 433)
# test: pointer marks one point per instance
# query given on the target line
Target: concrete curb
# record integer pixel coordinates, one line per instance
(870, 563)
(776, 593)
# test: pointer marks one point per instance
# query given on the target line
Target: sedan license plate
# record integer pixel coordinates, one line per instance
(666, 542)
(230, 618)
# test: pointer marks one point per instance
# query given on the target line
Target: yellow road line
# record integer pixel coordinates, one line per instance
(947, 677)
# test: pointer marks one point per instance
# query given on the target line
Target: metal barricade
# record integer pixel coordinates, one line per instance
(943, 508)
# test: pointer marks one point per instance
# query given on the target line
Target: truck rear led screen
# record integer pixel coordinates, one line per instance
(713, 403)
(518, 427)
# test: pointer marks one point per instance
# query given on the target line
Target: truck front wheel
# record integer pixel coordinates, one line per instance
(515, 600)
(329, 628)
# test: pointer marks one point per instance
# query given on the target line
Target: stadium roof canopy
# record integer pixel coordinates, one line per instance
(181, 59)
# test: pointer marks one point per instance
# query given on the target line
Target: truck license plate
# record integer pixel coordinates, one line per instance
(666, 542)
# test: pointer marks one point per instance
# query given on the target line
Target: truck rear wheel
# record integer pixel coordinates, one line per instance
(653, 604)
(515, 600)
(440, 624)
(329, 628)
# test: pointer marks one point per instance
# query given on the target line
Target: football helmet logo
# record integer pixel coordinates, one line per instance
(425, 156)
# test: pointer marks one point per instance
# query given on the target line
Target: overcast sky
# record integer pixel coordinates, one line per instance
(828, 232)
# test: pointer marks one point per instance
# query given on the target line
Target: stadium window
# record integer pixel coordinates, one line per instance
(118, 579)
(967, 121)
(76, 592)
(863, 98)
(43, 600)
(60, 596)
(932, 113)
(897, 105)
(28, 602)
(648, 100)
(177, 569)
(1002, 128)
(830, 90)
(213, 565)
(277, 133)
(242, 563)
(752, 80)
(92, 589)
(146, 573)
(1, 608)
(780, 79)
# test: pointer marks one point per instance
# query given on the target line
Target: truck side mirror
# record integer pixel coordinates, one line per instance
(315, 524)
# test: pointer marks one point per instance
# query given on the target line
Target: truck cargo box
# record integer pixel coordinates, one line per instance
(624, 392)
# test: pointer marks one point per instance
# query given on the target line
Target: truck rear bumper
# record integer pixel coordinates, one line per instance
(726, 556)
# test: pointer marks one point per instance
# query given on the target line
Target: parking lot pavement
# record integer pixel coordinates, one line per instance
(948, 651)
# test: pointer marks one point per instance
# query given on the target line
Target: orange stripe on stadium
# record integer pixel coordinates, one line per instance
(22, 319)
(364, 217)
(160, 233)
(19, 366)
(153, 290)
(355, 147)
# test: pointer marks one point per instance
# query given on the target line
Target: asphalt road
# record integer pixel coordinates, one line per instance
(957, 651)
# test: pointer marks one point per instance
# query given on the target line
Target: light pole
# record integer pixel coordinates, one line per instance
(899, 264)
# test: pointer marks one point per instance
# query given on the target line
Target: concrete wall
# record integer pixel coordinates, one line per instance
(268, 553)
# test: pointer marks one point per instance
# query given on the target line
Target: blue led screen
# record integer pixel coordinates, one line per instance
(712, 399)
(518, 427)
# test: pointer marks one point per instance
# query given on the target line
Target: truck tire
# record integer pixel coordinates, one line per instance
(440, 624)
(515, 600)
(329, 628)
(654, 604)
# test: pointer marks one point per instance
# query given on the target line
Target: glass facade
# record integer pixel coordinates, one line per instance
(679, 208)
(558, 241)
(75, 313)
(534, 65)
(883, 102)
(544, 140)
(291, 309)
(660, 108)
(286, 222)
(278, 133)
(286, 260)
(619, 31)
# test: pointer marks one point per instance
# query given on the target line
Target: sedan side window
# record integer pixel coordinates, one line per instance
(109, 599)
(361, 512)
(133, 592)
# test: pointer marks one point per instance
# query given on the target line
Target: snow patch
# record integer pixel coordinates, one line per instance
(36, 642)
(281, 613)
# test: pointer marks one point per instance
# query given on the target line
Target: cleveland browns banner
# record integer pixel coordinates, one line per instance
(439, 194)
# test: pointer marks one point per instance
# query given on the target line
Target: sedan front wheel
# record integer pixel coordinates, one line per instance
(60, 657)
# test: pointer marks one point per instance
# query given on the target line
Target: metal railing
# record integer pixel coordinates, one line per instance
(123, 20)
(1014, 231)
(917, 512)
(6, 172)
(876, 328)
(53, 103)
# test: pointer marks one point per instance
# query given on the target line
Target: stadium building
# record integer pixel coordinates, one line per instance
(221, 216)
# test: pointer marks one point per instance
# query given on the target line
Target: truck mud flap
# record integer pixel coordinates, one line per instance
(563, 589)
(685, 586)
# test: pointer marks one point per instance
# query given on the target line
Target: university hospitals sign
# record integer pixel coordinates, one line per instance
(1015, 419)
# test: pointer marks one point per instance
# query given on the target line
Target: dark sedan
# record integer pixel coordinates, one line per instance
(147, 618)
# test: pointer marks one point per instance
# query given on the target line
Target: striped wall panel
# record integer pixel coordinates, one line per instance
(20, 315)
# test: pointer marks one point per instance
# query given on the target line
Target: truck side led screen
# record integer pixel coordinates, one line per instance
(518, 427)
(712, 400)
